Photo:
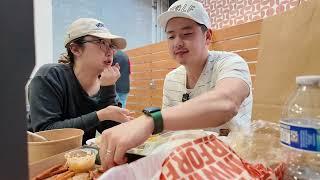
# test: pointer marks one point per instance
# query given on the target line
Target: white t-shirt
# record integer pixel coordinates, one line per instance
(220, 65)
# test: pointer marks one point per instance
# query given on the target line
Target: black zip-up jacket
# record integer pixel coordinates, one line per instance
(57, 100)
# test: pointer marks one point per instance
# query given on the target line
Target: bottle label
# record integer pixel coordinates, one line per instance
(300, 134)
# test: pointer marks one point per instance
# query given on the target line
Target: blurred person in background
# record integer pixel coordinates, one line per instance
(123, 83)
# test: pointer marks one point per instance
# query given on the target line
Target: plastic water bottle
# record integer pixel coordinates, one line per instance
(300, 129)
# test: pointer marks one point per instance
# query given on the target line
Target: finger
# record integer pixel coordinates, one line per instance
(102, 150)
(107, 69)
(130, 114)
(130, 118)
(117, 66)
(117, 72)
(110, 154)
(108, 72)
(113, 71)
(125, 118)
(124, 111)
(100, 169)
(119, 155)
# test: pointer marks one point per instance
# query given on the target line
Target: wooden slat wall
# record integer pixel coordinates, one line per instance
(151, 63)
(243, 40)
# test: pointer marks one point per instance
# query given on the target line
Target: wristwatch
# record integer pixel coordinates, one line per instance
(155, 113)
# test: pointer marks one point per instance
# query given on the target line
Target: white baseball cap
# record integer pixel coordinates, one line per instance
(93, 27)
(190, 9)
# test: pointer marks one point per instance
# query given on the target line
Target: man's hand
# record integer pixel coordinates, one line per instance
(115, 113)
(118, 140)
(110, 75)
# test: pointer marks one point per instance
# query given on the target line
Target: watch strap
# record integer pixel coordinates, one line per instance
(157, 121)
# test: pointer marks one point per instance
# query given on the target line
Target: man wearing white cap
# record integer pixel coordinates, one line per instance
(80, 93)
(209, 89)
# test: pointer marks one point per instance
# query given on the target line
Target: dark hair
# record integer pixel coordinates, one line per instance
(203, 27)
(69, 57)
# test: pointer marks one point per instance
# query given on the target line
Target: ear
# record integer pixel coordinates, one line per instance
(208, 37)
(75, 49)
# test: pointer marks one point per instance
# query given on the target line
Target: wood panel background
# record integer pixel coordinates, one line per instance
(150, 64)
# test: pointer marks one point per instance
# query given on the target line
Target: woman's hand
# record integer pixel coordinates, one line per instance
(115, 113)
(110, 75)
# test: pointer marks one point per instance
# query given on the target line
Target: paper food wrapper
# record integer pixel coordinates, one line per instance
(203, 158)
(156, 148)
(146, 168)
(210, 158)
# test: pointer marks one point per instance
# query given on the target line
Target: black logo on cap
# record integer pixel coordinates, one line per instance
(99, 25)
(182, 8)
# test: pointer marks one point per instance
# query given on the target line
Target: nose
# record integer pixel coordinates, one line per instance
(178, 42)
(109, 52)
(108, 48)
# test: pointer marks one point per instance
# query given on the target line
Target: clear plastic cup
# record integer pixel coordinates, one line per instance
(81, 160)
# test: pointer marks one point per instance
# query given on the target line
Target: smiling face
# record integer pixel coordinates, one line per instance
(187, 43)
(95, 53)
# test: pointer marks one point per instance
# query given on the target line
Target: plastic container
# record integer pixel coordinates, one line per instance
(260, 145)
(81, 160)
(300, 129)
(59, 140)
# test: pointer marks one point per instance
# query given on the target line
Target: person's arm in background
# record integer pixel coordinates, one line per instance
(129, 62)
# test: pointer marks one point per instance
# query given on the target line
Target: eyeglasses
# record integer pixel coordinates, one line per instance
(103, 44)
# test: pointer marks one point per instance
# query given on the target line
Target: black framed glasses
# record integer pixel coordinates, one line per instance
(103, 44)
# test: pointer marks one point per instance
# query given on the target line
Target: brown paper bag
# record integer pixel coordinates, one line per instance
(289, 47)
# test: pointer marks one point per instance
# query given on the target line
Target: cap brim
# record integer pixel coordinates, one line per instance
(166, 16)
(118, 41)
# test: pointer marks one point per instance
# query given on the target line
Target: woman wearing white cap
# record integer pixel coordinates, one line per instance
(209, 89)
(79, 93)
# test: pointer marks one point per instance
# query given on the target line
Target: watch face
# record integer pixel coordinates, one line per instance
(151, 109)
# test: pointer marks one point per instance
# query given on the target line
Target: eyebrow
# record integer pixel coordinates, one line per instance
(184, 28)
